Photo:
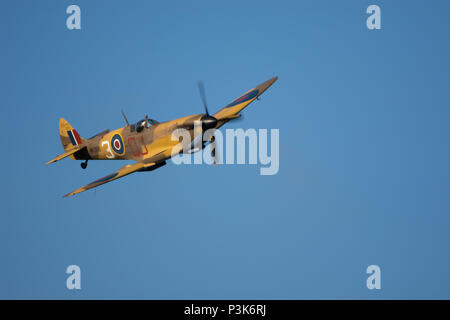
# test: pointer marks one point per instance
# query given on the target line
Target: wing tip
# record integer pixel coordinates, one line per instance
(51, 161)
(265, 85)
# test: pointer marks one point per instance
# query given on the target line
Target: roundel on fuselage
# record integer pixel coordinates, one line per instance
(117, 144)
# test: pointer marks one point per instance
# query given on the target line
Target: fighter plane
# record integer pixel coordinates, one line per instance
(148, 142)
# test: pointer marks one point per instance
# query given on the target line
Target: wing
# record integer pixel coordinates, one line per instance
(231, 110)
(122, 172)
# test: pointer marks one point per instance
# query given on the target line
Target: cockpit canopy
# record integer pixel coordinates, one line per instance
(145, 123)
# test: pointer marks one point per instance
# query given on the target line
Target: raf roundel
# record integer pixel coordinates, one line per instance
(117, 144)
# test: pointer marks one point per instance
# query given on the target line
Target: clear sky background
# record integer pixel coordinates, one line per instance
(364, 152)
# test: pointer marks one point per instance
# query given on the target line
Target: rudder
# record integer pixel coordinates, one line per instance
(69, 136)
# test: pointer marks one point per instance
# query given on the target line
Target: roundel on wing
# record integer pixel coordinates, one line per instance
(117, 144)
(245, 97)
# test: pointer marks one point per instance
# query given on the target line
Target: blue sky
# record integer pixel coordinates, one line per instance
(364, 157)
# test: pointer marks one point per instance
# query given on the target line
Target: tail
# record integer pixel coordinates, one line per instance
(70, 138)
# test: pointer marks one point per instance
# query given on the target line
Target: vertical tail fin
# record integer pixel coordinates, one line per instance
(70, 138)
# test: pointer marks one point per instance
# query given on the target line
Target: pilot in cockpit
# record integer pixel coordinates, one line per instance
(145, 123)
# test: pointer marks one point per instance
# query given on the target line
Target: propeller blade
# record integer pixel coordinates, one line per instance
(215, 153)
(201, 89)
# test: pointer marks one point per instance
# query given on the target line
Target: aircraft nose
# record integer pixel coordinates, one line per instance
(208, 122)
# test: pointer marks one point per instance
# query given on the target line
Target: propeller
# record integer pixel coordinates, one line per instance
(201, 89)
(208, 121)
(215, 151)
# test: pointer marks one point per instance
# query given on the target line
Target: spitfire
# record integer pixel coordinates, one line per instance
(148, 142)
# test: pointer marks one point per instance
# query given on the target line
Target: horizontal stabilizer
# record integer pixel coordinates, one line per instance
(64, 155)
